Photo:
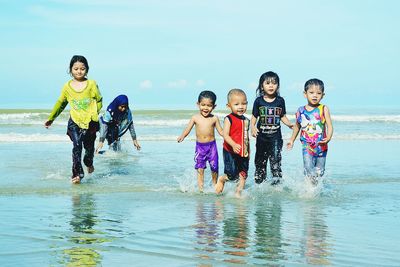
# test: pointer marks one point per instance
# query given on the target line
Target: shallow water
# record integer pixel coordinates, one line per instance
(143, 209)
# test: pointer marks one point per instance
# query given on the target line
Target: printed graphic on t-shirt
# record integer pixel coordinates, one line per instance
(270, 118)
(81, 104)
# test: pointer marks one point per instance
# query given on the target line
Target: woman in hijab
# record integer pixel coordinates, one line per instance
(115, 122)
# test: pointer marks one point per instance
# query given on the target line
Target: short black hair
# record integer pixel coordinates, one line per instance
(208, 94)
(316, 82)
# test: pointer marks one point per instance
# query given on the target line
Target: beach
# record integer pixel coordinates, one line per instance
(142, 208)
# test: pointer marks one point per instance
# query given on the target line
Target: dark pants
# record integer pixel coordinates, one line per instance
(113, 137)
(82, 138)
(268, 150)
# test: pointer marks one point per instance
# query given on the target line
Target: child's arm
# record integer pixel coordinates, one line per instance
(227, 127)
(329, 126)
(99, 99)
(254, 130)
(57, 109)
(218, 126)
(296, 130)
(187, 130)
(286, 121)
(133, 135)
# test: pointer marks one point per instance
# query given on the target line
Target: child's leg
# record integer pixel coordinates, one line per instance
(275, 160)
(243, 168)
(260, 162)
(214, 176)
(230, 169)
(200, 159)
(116, 146)
(309, 166)
(320, 166)
(213, 161)
(75, 134)
(219, 187)
(240, 185)
(88, 144)
(200, 179)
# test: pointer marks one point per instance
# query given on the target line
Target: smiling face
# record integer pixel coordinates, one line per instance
(206, 106)
(314, 94)
(238, 103)
(79, 71)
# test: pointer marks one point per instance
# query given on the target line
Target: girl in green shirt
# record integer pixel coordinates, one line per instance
(85, 102)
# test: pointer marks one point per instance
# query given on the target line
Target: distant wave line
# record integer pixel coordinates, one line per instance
(32, 138)
(154, 118)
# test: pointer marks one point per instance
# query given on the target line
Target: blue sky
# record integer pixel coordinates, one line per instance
(163, 53)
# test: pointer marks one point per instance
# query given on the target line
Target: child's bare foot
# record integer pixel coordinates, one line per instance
(90, 169)
(76, 180)
(219, 187)
(238, 194)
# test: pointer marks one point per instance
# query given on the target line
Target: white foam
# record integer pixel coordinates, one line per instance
(36, 118)
(18, 137)
(367, 118)
(166, 123)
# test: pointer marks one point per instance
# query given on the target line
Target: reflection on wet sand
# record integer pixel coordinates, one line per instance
(268, 237)
(208, 216)
(236, 234)
(84, 236)
(316, 246)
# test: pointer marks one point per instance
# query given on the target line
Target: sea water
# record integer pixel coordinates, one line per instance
(142, 208)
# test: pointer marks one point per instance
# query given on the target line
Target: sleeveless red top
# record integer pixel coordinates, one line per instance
(239, 132)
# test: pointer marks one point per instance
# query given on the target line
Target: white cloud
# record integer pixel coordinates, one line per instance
(252, 85)
(200, 83)
(296, 87)
(178, 84)
(146, 84)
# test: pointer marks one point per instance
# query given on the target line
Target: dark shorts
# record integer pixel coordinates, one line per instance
(235, 165)
(206, 152)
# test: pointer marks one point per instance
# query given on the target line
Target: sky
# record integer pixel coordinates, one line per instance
(162, 54)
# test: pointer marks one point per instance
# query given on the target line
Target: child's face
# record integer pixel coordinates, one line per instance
(238, 104)
(122, 108)
(270, 86)
(314, 95)
(78, 71)
(206, 106)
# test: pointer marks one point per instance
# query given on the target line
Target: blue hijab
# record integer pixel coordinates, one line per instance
(113, 107)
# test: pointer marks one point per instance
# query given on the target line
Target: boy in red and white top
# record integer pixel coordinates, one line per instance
(236, 142)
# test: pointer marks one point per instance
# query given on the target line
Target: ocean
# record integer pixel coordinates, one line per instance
(142, 208)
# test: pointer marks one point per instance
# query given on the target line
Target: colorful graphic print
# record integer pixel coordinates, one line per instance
(312, 125)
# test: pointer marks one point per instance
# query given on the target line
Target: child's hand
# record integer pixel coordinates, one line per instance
(47, 124)
(180, 139)
(136, 144)
(254, 132)
(99, 146)
(324, 141)
(236, 148)
(289, 145)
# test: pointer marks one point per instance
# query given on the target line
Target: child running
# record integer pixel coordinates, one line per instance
(85, 100)
(314, 123)
(236, 142)
(269, 111)
(206, 147)
(115, 122)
